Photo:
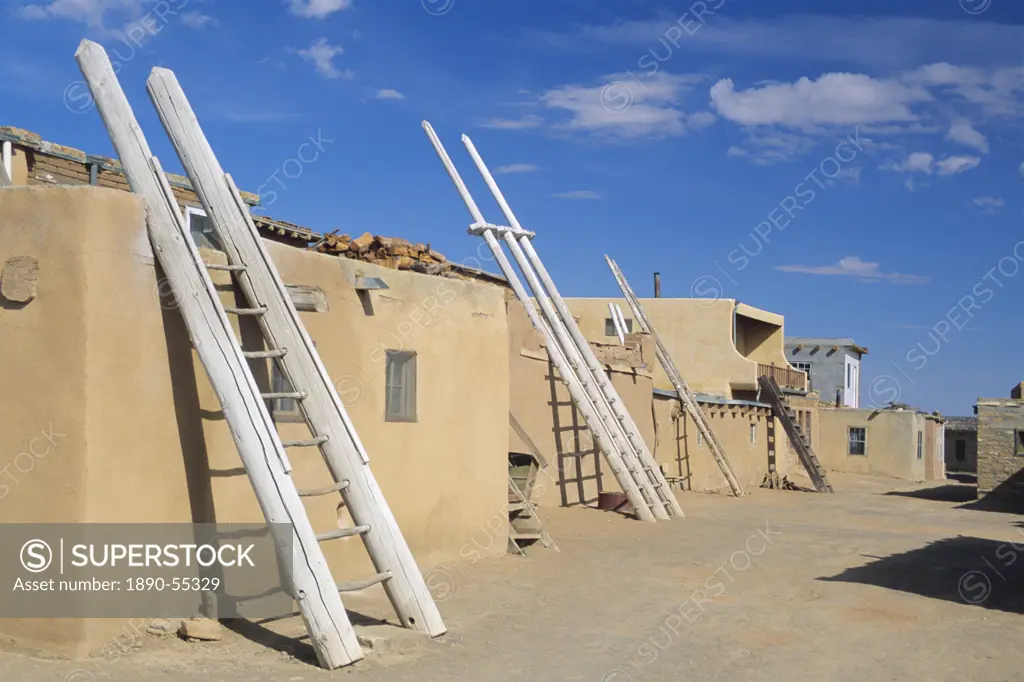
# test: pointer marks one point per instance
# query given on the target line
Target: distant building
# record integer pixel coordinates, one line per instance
(1001, 445)
(832, 365)
(962, 444)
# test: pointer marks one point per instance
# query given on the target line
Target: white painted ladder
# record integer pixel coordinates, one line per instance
(287, 343)
(614, 430)
(686, 396)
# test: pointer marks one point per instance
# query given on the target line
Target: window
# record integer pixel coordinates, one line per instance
(807, 426)
(700, 439)
(1018, 443)
(961, 450)
(400, 386)
(753, 433)
(920, 445)
(804, 367)
(858, 440)
(609, 326)
(283, 409)
(201, 229)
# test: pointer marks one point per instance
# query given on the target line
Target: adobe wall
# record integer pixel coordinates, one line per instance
(543, 406)
(105, 358)
(697, 333)
(682, 457)
(891, 442)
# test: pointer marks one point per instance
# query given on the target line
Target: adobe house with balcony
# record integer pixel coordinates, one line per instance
(721, 347)
(832, 365)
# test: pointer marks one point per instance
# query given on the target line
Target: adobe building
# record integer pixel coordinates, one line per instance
(721, 347)
(962, 445)
(1001, 446)
(896, 442)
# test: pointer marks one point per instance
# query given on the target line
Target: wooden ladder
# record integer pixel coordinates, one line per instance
(614, 430)
(525, 527)
(686, 396)
(286, 343)
(785, 414)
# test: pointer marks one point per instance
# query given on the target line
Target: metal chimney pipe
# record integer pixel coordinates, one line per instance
(657, 285)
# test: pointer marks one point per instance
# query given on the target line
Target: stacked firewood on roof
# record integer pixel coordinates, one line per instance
(390, 252)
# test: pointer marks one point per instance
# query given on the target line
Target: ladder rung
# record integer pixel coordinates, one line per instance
(257, 354)
(293, 395)
(229, 268)
(342, 533)
(312, 443)
(246, 311)
(316, 492)
(526, 536)
(353, 585)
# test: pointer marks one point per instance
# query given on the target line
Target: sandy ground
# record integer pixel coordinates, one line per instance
(884, 580)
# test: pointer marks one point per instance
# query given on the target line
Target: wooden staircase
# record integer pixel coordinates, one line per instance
(782, 410)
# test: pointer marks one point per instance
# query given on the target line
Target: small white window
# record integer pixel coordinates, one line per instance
(753, 433)
(700, 439)
(400, 386)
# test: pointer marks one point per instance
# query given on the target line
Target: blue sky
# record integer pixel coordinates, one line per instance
(855, 166)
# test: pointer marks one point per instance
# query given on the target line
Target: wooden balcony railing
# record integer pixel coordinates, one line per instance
(785, 376)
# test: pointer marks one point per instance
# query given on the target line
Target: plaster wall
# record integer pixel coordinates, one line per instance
(102, 357)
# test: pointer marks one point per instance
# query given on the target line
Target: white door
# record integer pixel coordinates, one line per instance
(851, 378)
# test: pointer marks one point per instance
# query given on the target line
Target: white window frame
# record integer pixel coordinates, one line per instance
(849, 441)
(753, 433)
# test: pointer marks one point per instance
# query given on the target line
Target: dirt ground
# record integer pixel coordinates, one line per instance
(885, 580)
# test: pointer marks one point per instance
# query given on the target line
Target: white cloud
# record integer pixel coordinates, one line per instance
(198, 20)
(622, 107)
(530, 121)
(388, 93)
(317, 9)
(90, 12)
(852, 266)
(833, 99)
(962, 132)
(956, 164)
(579, 194)
(998, 92)
(925, 163)
(322, 54)
(989, 205)
(515, 168)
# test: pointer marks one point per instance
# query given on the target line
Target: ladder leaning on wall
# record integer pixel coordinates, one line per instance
(686, 396)
(286, 342)
(614, 430)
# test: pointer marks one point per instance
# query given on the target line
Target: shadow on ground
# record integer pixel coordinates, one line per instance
(953, 492)
(967, 570)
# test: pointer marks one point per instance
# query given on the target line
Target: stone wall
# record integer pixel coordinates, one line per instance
(1000, 459)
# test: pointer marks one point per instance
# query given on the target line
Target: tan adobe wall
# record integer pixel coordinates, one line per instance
(96, 356)
(543, 407)
(697, 333)
(678, 451)
(891, 445)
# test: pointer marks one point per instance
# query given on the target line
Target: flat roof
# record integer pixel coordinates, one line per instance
(758, 314)
(826, 341)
